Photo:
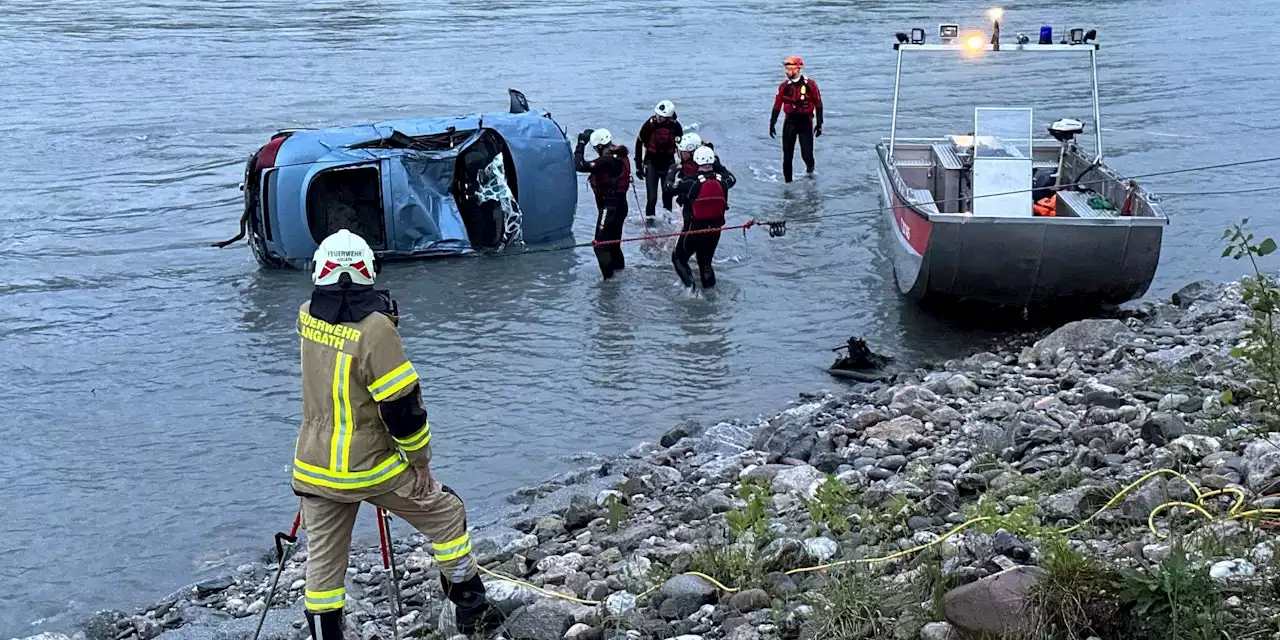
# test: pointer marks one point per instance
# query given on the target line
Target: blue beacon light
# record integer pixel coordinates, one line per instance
(1046, 34)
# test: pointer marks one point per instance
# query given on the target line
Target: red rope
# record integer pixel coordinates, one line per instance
(675, 234)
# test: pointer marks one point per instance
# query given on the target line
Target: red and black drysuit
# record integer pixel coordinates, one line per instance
(659, 139)
(704, 198)
(801, 101)
(609, 176)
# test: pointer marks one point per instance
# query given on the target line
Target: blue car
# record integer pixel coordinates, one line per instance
(412, 188)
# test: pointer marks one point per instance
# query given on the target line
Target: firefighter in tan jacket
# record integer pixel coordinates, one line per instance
(365, 437)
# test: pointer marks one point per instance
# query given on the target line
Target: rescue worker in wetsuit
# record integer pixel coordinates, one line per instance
(609, 176)
(365, 438)
(658, 136)
(704, 197)
(799, 98)
(685, 166)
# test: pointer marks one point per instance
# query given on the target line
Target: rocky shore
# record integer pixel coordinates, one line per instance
(1014, 448)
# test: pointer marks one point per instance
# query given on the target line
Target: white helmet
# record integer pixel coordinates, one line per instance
(690, 141)
(601, 137)
(666, 109)
(343, 252)
(704, 156)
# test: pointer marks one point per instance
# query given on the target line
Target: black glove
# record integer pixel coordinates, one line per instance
(585, 136)
(817, 132)
(773, 131)
(640, 171)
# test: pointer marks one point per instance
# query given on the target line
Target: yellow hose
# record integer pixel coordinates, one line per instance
(1198, 506)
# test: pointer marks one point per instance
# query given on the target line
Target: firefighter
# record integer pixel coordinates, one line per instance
(685, 166)
(609, 176)
(799, 98)
(658, 136)
(365, 437)
(704, 197)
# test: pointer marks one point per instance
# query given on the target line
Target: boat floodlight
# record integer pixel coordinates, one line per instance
(1075, 36)
(948, 33)
(1022, 38)
(974, 42)
(902, 37)
(995, 13)
(1090, 35)
(917, 36)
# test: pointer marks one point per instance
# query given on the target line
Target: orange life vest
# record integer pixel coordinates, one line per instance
(1046, 206)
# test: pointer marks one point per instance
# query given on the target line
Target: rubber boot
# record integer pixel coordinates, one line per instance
(474, 610)
(326, 625)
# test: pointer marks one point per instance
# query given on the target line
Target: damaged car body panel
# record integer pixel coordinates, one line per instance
(413, 188)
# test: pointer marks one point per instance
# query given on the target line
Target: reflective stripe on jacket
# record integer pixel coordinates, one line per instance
(344, 451)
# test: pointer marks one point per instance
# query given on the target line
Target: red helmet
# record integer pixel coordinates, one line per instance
(793, 61)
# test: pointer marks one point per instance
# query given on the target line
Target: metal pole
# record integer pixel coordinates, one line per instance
(893, 124)
(1097, 109)
(389, 548)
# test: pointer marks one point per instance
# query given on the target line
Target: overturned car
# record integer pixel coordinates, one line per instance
(412, 188)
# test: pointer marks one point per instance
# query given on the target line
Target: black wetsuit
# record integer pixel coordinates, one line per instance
(702, 246)
(609, 176)
(659, 139)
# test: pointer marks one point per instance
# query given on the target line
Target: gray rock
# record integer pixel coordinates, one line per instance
(583, 632)
(204, 624)
(783, 554)
(820, 549)
(582, 510)
(1162, 427)
(1172, 401)
(961, 385)
(630, 538)
(620, 604)
(1198, 291)
(1263, 458)
(797, 480)
(47, 636)
(723, 439)
(894, 463)
(685, 594)
(997, 604)
(676, 434)
(900, 428)
(1088, 336)
(1192, 447)
(937, 631)
(867, 418)
(542, 620)
(749, 600)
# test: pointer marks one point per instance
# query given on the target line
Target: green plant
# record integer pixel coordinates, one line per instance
(854, 606)
(617, 513)
(1075, 596)
(1174, 599)
(754, 517)
(1261, 348)
(828, 505)
(734, 566)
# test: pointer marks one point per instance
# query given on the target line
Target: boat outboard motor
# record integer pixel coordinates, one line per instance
(1065, 131)
(1042, 183)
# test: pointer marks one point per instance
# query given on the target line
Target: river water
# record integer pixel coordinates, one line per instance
(151, 389)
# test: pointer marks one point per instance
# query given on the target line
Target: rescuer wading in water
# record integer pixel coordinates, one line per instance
(685, 166)
(658, 136)
(799, 98)
(705, 198)
(609, 176)
(365, 437)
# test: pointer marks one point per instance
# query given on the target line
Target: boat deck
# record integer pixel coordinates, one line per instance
(1078, 202)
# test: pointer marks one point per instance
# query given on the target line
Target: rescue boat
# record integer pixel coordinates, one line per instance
(414, 188)
(1003, 217)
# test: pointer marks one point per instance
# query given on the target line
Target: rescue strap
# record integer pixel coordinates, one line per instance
(1235, 513)
(781, 226)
